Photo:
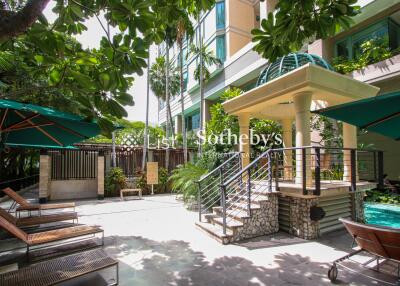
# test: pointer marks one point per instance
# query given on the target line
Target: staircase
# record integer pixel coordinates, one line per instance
(238, 203)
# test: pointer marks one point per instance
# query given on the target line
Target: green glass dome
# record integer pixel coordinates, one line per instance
(288, 63)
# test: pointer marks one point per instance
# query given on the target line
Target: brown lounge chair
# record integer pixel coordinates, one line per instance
(24, 205)
(37, 220)
(40, 238)
(383, 242)
(65, 269)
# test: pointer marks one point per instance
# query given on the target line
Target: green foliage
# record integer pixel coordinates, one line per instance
(220, 122)
(184, 180)
(296, 22)
(49, 67)
(329, 130)
(209, 59)
(158, 78)
(114, 182)
(162, 185)
(133, 132)
(382, 197)
(372, 51)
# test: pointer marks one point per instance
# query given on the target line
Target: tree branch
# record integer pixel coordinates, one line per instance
(13, 24)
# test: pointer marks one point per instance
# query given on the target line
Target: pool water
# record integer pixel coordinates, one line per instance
(382, 214)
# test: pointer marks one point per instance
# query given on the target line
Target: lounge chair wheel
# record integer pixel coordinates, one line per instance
(333, 273)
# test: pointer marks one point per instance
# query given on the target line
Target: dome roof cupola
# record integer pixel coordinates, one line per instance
(289, 63)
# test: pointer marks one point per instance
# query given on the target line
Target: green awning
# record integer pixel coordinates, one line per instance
(28, 125)
(380, 114)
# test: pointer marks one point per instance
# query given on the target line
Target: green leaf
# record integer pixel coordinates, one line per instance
(104, 79)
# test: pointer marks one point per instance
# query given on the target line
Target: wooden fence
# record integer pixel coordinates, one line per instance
(73, 164)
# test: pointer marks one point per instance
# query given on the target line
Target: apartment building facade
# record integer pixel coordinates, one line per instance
(226, 30)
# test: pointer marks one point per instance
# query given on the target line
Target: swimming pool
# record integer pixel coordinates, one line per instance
(382, 214)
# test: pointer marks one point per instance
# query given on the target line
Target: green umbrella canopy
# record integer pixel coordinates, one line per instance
(380, 114)
(29, 125)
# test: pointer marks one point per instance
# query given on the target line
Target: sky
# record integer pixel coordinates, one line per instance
(91, 39)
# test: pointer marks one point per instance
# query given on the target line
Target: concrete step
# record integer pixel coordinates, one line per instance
(215, 232)
(231, 224)
(242, 206)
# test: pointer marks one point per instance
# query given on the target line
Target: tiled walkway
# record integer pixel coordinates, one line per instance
(156, 243)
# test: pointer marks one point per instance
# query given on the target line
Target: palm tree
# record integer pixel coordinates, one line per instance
(157, 81)
(183, 28)
(207, 59)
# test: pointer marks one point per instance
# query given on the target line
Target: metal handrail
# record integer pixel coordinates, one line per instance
(220, 166)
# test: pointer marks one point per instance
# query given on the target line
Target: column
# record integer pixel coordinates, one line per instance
(349, 141)
(244, 140)
(287, 143)
(44, 177)
(178, 124)
(302, 104)
(100, 176)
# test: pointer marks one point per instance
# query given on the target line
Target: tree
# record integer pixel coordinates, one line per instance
(206, 59)
(158, 80)
(94, 82)
(297, 22)
(184, 29)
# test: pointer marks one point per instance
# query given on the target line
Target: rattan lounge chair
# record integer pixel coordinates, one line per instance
(382, 242)
(45, 237)
(63, 269)
(24, 205)
(37, 220)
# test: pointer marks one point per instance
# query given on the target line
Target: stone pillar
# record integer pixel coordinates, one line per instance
(206, 112)
(100, 176)
(287, 143)
(302, 104)
(178, 124)
(44, 177)
(244, 142)
(349, 141)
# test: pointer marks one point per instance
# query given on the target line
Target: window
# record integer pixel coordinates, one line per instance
(388, 30)
(196, 121)
(220, 14)
(185, 80)
(184, 60)
(221, 54)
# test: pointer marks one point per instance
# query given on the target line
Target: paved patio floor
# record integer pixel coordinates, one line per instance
(157, 243)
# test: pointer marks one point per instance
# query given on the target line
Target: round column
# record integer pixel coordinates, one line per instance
(287, 138)
(349, 141)
(302, 104)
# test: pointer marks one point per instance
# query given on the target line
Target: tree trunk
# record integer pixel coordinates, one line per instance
(146, 128)
(167, 105)
(182, 106)
(13, 24)
(201, 82)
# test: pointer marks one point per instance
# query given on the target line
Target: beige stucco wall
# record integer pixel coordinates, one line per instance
(391, 155)
(240, 21)
(73, 189)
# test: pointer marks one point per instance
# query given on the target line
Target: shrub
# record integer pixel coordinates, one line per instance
(184, 180)
(162, 185)
(384, 197)
(114, 182)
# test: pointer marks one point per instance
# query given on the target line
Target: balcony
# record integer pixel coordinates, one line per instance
(381, 71)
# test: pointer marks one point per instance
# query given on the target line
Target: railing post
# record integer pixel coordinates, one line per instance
(317, 191)
(270, 171)
(375, 169)
(199, 199)
(248, 192)
(223, 209)
(276, 171)
(304, 170)
(353, 169)
(380, 171)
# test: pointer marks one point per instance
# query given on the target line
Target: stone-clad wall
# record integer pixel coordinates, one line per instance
(300, 223)
(262, 222)
(357, 205)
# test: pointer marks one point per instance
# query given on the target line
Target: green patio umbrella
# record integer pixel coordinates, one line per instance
(29, 125)
(380, 114)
